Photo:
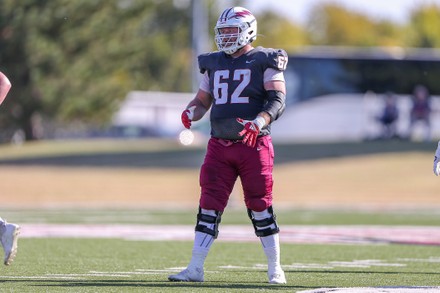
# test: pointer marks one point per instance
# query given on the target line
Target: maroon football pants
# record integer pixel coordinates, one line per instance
(225, 161)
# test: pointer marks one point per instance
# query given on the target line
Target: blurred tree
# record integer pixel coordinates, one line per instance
(332, 24)
(423, 27)
(74, 60)
(23, 99)
(278, 32)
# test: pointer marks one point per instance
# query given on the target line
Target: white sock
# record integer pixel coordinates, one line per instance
(271, 247)
(198, 257)
(271, 243)
(202, 242)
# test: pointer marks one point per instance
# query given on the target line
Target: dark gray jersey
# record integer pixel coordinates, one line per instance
(237, 86)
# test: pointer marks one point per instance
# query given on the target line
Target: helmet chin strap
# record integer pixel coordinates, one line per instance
(232, 52)
(246, 48)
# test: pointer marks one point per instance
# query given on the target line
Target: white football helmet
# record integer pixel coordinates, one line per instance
(235, 17)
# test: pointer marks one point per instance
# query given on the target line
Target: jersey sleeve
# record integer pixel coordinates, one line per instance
(206, 61)
(202, 59)
(278, 59)
(271, 74)
(204, 83)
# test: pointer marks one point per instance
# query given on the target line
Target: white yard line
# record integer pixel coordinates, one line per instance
(417, 235)
(375, 290)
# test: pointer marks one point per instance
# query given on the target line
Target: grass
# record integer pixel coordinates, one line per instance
(111, 265)
(115, 173)
(115, 265)
(58, 148)
(232, 216)
(123, 182)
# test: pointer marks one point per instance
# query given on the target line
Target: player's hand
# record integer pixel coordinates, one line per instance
(437, 160)
(187, 116)
(251, 130)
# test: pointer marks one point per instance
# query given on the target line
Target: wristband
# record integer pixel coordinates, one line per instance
(260, 122)
(191, 112)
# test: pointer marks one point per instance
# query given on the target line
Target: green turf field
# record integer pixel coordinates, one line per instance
(232, 216)
(98, 265)
(116, 265)
(328, 174)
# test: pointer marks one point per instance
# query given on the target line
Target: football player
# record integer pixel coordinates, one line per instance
(244, 89)
(8, 237)
(5, 86)
(437, 160)
(8, 232)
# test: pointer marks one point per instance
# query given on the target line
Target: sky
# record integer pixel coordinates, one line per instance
(298, 10)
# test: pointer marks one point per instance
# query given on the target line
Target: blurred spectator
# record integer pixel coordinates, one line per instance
(420, 111)
(389, 116)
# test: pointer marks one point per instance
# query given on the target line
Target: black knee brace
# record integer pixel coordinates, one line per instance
(208, 219)
(258, 224)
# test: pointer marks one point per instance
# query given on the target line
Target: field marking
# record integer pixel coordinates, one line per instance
(416, 235)
(129, 274)
(429, 260)
(375, 290)
(46, 277)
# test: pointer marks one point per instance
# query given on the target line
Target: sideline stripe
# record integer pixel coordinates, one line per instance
(375, 290)
(417, 235)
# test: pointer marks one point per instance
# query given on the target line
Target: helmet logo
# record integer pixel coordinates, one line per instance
(239, 14)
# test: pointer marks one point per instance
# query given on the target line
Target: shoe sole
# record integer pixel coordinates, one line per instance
(179, 280)
(10, 257)
(279, 281)
(174, 279)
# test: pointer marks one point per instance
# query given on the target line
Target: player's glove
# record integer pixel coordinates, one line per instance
(437, 160)
(187, 116)
(251, 130)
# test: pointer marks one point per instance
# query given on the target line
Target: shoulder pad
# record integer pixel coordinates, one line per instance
(207, 60)
(272, 58)
(278, 59)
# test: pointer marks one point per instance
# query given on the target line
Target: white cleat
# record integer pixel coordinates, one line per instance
(188, 275)
(277, 277)
(9, 239)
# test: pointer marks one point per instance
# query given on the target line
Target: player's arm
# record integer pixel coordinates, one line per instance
(274, 84)
(276, 103)
(197, 108)
(202, 102)
(276, 100)
(5, 86)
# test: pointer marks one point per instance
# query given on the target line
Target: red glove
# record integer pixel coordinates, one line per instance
(251, 130)
(187, 116)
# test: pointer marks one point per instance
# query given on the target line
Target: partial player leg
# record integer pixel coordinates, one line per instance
(267, 230)
(8, 238)
(256, 177)
(206, 232)
(217, 180)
